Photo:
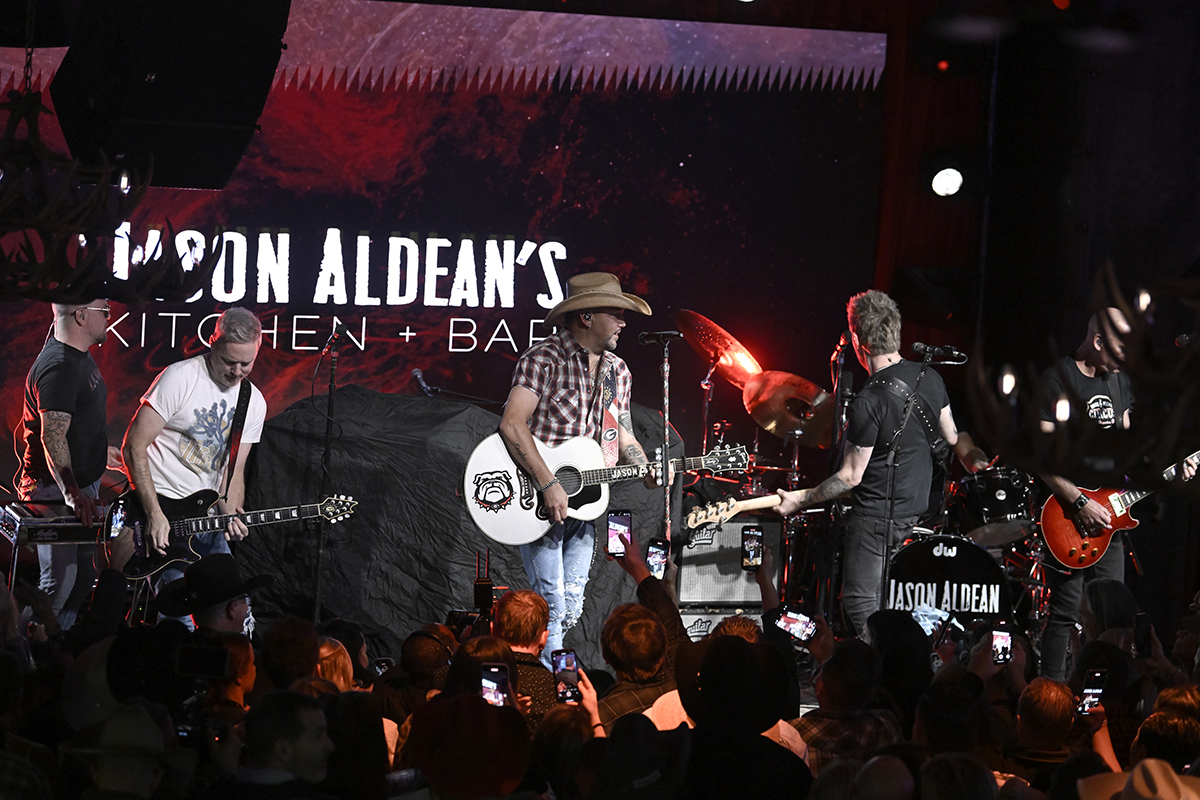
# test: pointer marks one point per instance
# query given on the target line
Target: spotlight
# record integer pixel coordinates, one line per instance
(946, 182)
(1062, 409)
(1008, 381)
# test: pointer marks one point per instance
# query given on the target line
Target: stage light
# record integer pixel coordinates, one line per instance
(946, 182)
(1008, 381)
(1062, 409)
(1143, 300)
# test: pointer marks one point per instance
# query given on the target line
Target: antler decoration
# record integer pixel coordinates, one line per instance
(1164, 422)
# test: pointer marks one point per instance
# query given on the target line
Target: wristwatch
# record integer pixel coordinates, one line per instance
(1080, 502)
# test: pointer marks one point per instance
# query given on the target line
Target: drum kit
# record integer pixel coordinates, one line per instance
(977, 558)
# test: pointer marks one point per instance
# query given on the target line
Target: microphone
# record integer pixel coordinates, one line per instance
(339, 330)
(841, 345)
(947, 351)
(658, 337)
(419, 377)
(1183, 339)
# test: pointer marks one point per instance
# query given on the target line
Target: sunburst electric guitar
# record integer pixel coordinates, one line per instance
(1076, 548)
(188, 518)
(503, 500)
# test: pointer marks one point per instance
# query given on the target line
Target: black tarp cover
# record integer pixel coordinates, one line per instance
(407, 555)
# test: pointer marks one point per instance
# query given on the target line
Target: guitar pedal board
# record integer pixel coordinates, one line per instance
(41, 523)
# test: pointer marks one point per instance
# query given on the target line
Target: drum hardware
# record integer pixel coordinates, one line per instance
(725, 355)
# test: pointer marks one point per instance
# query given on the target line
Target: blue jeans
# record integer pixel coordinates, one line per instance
(1066, 590)
(862, 564)
(558, 565)
(206, 544)
(67, 571)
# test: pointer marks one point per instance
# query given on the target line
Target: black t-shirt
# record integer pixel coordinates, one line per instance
(1106, 396)
(873, 417)
(64, 379)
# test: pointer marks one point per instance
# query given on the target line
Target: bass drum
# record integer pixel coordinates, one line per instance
(949, 574)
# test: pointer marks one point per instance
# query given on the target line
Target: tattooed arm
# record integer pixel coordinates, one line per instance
(514, 429)
(58, 455)
(836, 485)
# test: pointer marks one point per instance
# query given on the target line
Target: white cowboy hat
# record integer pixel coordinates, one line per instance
(589, 290)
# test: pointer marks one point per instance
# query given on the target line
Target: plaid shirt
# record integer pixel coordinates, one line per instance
(832, 735)
(556, 370)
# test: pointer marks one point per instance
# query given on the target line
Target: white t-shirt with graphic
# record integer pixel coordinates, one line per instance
(189, 454)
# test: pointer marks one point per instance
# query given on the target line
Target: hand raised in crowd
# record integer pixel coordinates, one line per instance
(633, 562)
(822, 642)
(115, 553)
(590, 703)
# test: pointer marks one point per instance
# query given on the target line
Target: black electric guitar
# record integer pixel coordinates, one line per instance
(189, 516)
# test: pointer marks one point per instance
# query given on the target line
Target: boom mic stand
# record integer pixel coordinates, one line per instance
(315, 523)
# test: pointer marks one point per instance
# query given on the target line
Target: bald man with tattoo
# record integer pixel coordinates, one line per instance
(65, 444)
(873, 417)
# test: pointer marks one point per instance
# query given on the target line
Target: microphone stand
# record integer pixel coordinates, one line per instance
(664, 454)
(707, 386)
(842, 394)
(893, 446)
(322, 530)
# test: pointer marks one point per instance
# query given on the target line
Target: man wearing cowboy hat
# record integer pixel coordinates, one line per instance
(213, 592)
(128, 756)
(571, 384)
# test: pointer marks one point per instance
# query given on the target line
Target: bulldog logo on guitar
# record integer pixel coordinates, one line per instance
(493, 490)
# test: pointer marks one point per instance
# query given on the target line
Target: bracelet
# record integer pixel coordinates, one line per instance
(597, 724)
(1080, 502)
(553, 482)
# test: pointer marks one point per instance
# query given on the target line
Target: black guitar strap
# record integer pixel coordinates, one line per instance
(929, 420)
(235, 433)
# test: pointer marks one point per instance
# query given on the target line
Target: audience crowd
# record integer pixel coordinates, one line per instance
(106, 709)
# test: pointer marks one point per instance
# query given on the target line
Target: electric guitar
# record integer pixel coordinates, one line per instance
(723, 510)
(503, 500)
(1076, 548)
(188, 517)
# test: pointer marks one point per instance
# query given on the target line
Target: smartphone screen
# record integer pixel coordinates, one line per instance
(566, 676)
(1093, 687)
(1141, 635)
(799, 625)
(620, 523)
(656, 557)
(1001, 647)
(752, 544)
(493, 684)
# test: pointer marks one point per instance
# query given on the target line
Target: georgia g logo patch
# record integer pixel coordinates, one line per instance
(493, 490)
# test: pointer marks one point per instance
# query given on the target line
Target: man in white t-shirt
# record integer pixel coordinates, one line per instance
(177, 443)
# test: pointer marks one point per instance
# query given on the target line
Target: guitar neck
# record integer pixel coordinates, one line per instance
(195, 525)
(1131, 496)
(755, 503)
(631, 472)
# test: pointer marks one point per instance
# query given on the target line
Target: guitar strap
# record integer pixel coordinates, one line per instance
(606, 388)
(900, 388)
(235, 433)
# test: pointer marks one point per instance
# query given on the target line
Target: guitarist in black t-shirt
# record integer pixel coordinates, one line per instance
(1093, 374)
(874, 416)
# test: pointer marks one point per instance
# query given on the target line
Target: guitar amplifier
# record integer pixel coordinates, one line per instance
(710, 564)
(701, 621)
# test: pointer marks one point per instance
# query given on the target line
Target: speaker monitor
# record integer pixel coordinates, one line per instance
(179, 83)
(710, 564)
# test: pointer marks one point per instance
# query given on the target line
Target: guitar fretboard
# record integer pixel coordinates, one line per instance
(195, 525)
(626, 472)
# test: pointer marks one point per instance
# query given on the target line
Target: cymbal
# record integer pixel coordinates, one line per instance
(784, 403)
(734, 362)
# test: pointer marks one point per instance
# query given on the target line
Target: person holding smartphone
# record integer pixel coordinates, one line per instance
(520, 619)
(874, 416)
(571, 384)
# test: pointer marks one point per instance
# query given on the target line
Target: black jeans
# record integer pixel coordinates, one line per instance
(1066, 590)
(862, 564)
